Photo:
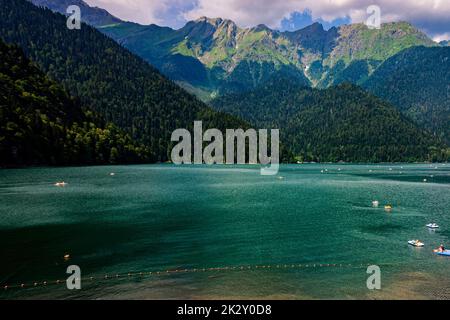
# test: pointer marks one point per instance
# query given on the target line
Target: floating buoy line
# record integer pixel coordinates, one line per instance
(143, 274)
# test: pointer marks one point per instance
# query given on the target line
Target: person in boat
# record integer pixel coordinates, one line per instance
(441, 248)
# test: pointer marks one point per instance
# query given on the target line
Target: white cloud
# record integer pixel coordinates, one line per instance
(442, 37)
(143, 11)
(432, 16)
(270, 12)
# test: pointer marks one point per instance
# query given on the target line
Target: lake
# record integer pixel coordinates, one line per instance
(200, 232)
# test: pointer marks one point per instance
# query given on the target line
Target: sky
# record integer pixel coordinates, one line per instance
(431, 16)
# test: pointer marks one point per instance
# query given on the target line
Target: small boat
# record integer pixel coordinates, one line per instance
(443, 253)
(375, 203)
(61, 184)
(432, 226)
(416, 243)
(388, 207)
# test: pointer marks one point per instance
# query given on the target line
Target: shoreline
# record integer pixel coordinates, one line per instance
(224, 164)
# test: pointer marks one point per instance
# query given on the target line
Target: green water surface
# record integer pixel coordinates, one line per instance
(153, 218)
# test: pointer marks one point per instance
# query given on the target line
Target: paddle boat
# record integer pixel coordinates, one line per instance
(432, 226)
(388, 207)
(416, 243)
(375, 203)
(442, 253)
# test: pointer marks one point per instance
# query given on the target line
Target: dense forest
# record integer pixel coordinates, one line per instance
(108, 79)
(41, 124)
(342, 123)
(417, 82)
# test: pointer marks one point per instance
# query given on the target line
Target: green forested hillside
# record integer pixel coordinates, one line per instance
(223, 57)
(41, 124)
(107, 78)
(213, 55)
(342, 123)
(417, 82)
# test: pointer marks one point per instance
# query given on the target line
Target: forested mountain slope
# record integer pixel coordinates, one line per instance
(121, 87)
(417, 82)
(40, 124)
(218, 56)
(342, 123)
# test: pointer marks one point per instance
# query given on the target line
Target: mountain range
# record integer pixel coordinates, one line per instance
(212, 56)
(93, 16)
(291, 80)
(215, 56)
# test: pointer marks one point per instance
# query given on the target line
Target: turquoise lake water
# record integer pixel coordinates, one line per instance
(154, 218)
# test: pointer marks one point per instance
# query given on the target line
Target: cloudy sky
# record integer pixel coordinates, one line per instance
(432, 16)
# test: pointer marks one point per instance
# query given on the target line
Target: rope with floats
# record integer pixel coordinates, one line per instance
(143, 274)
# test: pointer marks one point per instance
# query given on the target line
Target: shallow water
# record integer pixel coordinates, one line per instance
(162, 217)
